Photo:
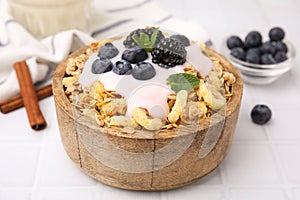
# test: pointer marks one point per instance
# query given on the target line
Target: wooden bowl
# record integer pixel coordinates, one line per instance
(165, 160)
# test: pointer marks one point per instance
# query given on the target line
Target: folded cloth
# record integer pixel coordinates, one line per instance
(111, 18)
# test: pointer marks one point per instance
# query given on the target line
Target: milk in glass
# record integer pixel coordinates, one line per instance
(47, 17)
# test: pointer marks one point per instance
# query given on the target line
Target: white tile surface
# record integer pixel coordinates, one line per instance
(48, 109)
(281, 94)
(289, 156)
(108, 192)
(258, 193)
(67, 193)
(250, 164)
(262, 164)
(15, 194)
(284, 124)
(194, 193)
(19, 130)
(296, 193)
(57, 169)
(246, 130)
(18, 165)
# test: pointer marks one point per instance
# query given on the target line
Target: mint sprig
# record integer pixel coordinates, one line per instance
(182, 81)
(146, 42)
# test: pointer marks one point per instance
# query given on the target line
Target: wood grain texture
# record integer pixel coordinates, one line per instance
(165, 160)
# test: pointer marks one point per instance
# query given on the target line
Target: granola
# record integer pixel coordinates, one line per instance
(108, 108)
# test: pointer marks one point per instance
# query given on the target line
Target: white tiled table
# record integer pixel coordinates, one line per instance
(263, 163)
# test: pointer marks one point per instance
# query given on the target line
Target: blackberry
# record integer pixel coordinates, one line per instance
(169, 53)
(130, 43)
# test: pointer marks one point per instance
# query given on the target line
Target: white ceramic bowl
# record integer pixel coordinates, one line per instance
(260, 74)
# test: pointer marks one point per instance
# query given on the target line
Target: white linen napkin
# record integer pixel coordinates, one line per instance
(109, 18)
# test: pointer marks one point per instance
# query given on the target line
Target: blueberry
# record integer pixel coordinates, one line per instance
(268, 47)
(267, 59)
(281, 46)
(135, 55)
(181, 38)
(261, 114)
(276, 34)
(122, 67)
(252, 57)
(238, 53)
(253, 39)
(108, 51)
(255, 50)
(143, 71)
(101, 66)
(280, 56)
(234, 41)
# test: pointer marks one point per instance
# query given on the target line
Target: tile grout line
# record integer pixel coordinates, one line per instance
(272, 146)
(262, 142)
(98, 187)
(230, 186)
(279, 167)
(36, 185)
(225, 185)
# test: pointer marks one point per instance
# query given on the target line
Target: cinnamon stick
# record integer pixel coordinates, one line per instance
(30, 100)
(16, 102)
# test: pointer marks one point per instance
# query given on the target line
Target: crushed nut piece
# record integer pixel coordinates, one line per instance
(68, 82)
(141, 116)
(191, 113)
(114, 106)
(123, 121)
(171, 100)
(229, 78)
(177, 109)
(212, 95)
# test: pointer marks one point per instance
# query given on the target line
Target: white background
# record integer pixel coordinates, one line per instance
(262, 164)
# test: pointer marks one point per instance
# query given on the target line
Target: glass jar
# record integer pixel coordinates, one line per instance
(46, 17)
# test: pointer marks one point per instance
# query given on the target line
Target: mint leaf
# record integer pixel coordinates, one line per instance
(137, 40)
(144, 41)
(153, 37)
(144, 38)
(183, 81)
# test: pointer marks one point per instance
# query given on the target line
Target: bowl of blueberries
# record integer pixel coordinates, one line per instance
(259, 61)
